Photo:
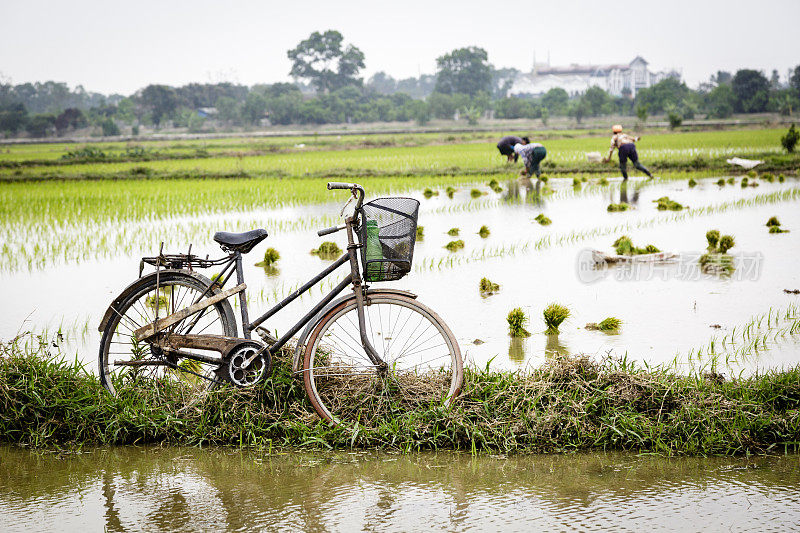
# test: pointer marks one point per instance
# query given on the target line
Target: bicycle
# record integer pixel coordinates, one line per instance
(360, 356)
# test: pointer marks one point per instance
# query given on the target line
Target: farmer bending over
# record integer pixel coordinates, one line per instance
(627, 150)
(506, 146)
(532, 154)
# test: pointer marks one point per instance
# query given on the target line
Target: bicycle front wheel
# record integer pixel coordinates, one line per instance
(424, 362)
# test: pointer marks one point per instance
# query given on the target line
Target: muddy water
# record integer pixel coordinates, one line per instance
(667, 311)
(123, 489)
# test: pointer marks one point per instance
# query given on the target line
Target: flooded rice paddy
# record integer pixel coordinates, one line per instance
(672, 313)
(152, 489)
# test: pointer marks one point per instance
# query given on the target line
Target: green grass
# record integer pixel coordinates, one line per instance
(568, 404)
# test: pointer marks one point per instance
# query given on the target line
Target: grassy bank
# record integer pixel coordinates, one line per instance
(568, 404)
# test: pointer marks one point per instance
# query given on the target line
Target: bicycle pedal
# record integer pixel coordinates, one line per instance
(266, 336)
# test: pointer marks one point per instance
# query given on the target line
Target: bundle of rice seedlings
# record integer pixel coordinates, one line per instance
(420, 232)
(517, 320)
(487, 286)
(752, 174)
(453, 232)
(484, 231)
(726, 242)
(624, 246)
(773, 221)
(781, 178)
(454, 246)
(767, 177)
(576, 182)
(475, 193)
(712, 236)
(665, 204)
(777, 229)
(554, 314)
(692, 182)
(721, 182)
(327, 250)
(609, 324)
(731, 180)
(603, 181)
(744, 182)
(271, 256)
(495, 186)
(427, 193)
(544, 178)
(613, 208)
(543, 220)
(450, 191)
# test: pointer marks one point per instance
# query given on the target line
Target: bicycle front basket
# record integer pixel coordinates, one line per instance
(387, 235)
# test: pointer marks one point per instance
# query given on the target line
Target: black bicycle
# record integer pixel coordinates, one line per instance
(360, 355)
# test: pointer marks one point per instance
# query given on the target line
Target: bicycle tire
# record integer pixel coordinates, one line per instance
(345, 388)
(175, 290)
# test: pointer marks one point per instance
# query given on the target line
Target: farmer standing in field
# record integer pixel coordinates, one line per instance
(506, 146)
(627, 150)
(532, 154)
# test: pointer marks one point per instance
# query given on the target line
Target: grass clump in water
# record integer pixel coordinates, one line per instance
(665, 204)
(542, 220)
(517, 320)
(328, 250)
(271, 256)
(484, 231)
(453, 232)
(488, 287)
(450, 191)
(610, 324)
(614, 208)
(454, 246)
(554, 314)
(624, 246)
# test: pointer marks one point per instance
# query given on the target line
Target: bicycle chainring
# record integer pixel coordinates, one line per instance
(236, 369)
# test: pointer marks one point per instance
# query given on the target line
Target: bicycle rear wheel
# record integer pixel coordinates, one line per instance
(346, 388)
(123, 360)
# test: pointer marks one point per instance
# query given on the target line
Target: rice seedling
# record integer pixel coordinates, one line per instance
(773, 221)
(428, 193)
(603, 182)
(692, 182)
(610, 324)
(271, 256)
(475, 193)
(665, 204)
(542, 220)
(767, 176)
(495, 186)
(781, 178)
(420, 232)
(712, 236)
(614, 208)
(453, 232)
(328, 250)
(576, 182)
(731, 180)
(744, 182)
(517, 320)
(721, 182)
(484, 231)
(488, 287)
(554, 315)
(544, 178)
(777, 229)
(624, 246)
(450, 191)
(752, 173)
(454, 246)
(716, 261)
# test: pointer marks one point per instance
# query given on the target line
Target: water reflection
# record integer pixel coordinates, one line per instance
(185, 490)
(553, 346)
(517, 350)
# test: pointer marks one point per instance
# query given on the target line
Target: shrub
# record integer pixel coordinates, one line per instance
(554, 314)
(543, 220)
(454, 246)
(484, 231)
(675, 119)
(517, 320)
(789, 141)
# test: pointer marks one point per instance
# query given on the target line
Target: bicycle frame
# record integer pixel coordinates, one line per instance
(233, 263)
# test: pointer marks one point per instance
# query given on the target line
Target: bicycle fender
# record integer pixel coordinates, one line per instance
(136, 285)
(301, 341)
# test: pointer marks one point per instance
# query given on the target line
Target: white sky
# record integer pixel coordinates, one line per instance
(112, 47)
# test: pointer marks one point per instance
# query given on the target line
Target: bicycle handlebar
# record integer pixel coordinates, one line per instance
(338, 185)
(328, 231)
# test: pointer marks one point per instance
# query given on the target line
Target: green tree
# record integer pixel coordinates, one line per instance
(556, 101)
(642, 112)
(13, 117)
(464, 71)
(794, 81)
(160, 100)
(668, 92)
(255, 108)
(70, 118)
(789, 141)
(751, 90)
(719, 102)
(321, 60)
(597, 101)
(41, 125)
(109, 127)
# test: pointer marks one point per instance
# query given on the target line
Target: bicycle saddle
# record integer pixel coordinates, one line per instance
(240, 242)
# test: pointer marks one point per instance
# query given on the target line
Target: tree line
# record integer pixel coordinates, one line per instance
(328, 89)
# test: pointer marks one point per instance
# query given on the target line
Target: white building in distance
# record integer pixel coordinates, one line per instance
(576, 79)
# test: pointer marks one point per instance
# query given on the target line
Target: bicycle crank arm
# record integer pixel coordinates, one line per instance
(145, 332)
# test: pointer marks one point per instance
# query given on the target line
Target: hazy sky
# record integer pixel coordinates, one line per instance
(119, 47)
